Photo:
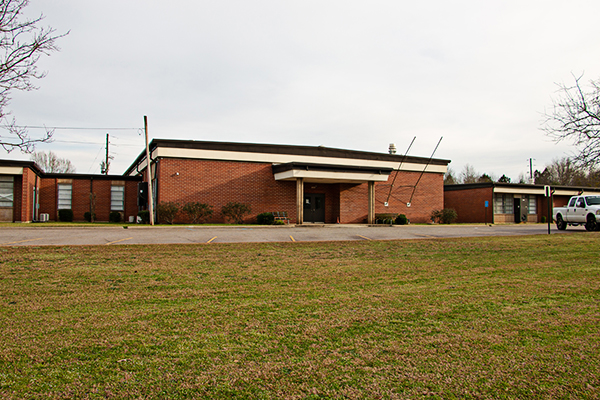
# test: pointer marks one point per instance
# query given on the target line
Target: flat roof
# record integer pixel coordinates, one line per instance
(280, 149)
(519, 187)
(35, 168)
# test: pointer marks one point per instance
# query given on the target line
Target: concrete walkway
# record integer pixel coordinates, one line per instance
(40, 235)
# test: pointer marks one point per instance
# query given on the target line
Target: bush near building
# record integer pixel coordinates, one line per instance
(235, 211)
(167, 211)
(65, 215)
(197, 212)
(265, 218)
(445, 216)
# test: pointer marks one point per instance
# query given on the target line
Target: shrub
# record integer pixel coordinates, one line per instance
(266, 218)
(167, 211)
(445, 216)
(197, 212)
(65, 215)
(401, 220)
(278, 222)
(235, 211)
(88, 216)
(114, 216)
(544, 219)
(145, 216)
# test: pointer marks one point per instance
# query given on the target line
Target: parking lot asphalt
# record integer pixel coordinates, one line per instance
(118, 235)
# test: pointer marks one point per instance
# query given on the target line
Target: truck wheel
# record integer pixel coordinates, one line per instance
(561, 225)
(591, 224)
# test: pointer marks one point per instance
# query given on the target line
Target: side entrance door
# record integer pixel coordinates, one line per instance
(314, 207)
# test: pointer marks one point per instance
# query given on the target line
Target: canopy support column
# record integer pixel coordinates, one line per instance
(299, 201)
(371, 214)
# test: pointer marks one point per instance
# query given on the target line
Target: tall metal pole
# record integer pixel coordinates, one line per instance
(531, 170)
(549, 218)
(149, 174)
(106, 161)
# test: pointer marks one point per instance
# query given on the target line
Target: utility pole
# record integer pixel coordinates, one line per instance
(149, 174)
(106, 160)
(531, 170)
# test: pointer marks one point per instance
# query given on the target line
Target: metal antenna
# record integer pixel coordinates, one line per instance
(422, 172)
(397, 171)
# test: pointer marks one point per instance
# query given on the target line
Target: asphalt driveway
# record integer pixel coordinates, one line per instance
(40, 235)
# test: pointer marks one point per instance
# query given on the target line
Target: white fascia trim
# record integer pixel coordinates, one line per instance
(316, 176)
(286, 158)
(518, 190)
(575, 192)
(11, 170)
(557, 192)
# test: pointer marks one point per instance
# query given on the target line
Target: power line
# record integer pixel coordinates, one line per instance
(71, 128)
(93, 143)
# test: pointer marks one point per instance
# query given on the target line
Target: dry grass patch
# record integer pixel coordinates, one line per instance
(468, 318)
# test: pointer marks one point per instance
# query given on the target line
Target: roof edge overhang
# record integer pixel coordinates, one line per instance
(326, 173)
(13, 167)
(523, 188)
(275, 153)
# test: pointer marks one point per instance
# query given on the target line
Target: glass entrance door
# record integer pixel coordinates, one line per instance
(314, 207)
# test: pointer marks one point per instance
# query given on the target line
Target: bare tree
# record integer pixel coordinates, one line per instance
(575, 116)
(49, 162)
(566, 172)
(449, 178)
(22, 43)
(469, 174)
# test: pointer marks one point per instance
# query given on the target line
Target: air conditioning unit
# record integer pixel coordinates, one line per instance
(44, 217)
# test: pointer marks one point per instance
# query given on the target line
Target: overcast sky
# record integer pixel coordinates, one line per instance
(347, 74)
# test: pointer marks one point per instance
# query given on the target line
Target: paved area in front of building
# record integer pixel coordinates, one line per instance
(59, 236)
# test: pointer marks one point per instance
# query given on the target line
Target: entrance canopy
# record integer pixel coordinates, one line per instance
(328, 173)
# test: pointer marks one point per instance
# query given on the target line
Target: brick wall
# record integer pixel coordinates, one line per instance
(219, 182)
(48, 198)
(470, 204)
(80, 196)
(17, 197)
(428, 195)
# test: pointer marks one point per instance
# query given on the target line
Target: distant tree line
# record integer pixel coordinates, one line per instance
(562, 172)
(469, 175)
(567, 172)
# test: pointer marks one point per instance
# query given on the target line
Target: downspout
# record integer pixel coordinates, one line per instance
(155, 186)
(36, 197)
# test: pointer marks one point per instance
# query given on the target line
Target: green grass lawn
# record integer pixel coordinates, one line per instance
(509, 318)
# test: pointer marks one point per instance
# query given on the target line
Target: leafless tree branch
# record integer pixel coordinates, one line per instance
(575, 116)
(22, 43)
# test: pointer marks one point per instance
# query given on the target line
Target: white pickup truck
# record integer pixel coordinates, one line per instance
(581, 210)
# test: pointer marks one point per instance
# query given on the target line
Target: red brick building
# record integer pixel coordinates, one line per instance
(507, 202)
(28, 194)
(310, 184)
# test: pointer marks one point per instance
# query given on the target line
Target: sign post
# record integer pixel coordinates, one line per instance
(548, 195)
(487, 204)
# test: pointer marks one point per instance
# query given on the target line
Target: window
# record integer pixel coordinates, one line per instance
(572, 202)
(503, 203)
(64, 196)
(117, 198)
(532, 205)
(6, 191)
(593, 201)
